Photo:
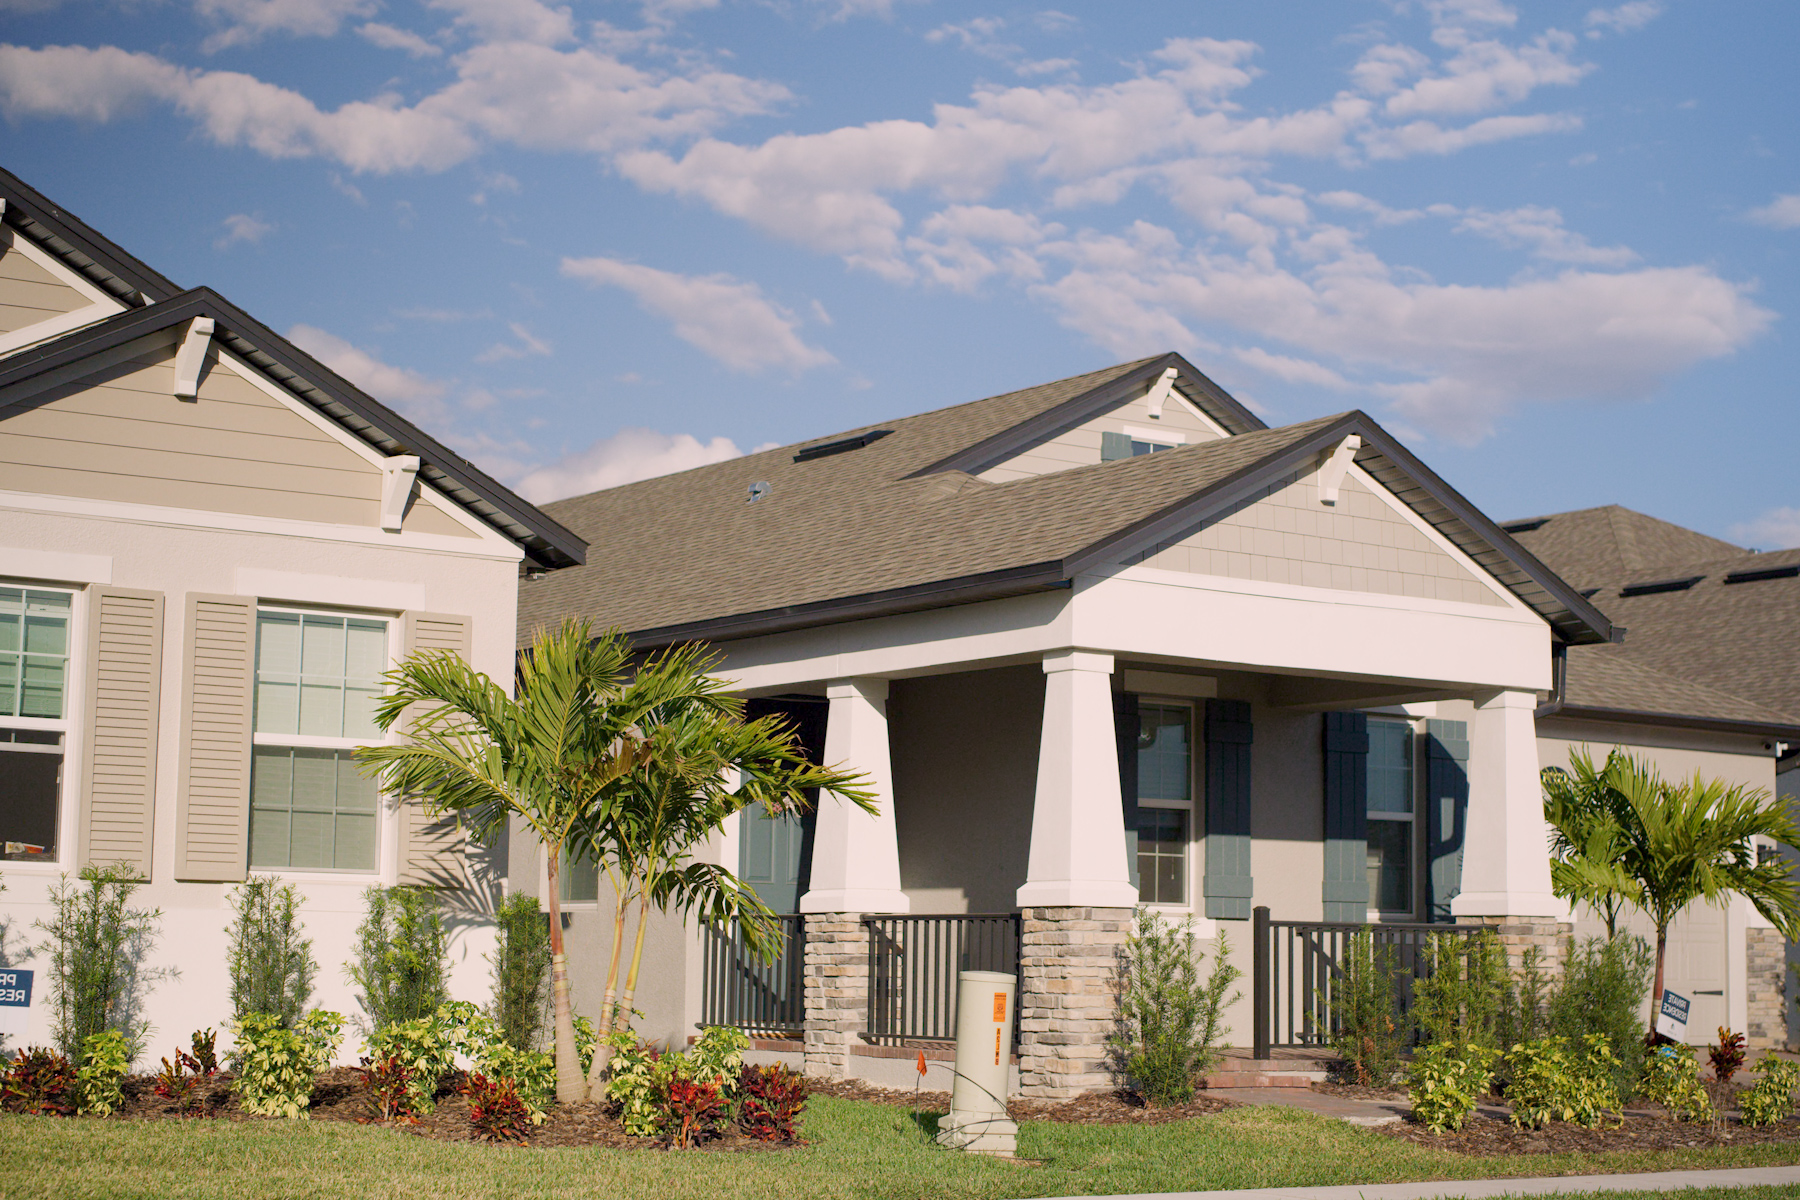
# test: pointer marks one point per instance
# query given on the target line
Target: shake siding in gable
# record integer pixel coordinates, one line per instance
(1081, 445)
(118, 794)
(213, 796)
(29, 293)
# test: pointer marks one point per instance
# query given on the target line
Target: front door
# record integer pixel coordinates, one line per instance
(769, 854)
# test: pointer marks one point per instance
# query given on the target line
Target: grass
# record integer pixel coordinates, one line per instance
(859, 1151)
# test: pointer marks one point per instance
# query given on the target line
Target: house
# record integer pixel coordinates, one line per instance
(1105, 642)
(211, 547)
(1708, 680)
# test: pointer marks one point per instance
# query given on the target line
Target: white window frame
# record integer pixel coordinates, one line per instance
(1416, 864)
(1190, 857)
(569, 905)
(387, 810)
(69, 725)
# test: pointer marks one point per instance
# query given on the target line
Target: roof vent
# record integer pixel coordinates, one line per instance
(758, 490)
(841, 446)
(1661, 585)
(1787, 572)
(1525, 526)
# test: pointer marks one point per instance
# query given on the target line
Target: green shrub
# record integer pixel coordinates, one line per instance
(272, 966)
(1602, 991)
(106, 1057)
(1444, 1081)
(642, 1075)
(1727, 1057)
(586, 1039)
(521, 961)
(1522, 1009)
(632, 1083)
(1461, 997)
(1771, 1099)
(1671, 1078)
(39, 1082)
(425, 1047)
(1169, 1021)
(401, 957)
(97, 944)
(1554, 1080)
(770, 1100)
(1368, 1035)
(276, 1065)
(480, 1039)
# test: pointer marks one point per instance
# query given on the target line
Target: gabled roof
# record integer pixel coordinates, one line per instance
(545, 542)
(79, 246)
(887, 526)
(1591, 546)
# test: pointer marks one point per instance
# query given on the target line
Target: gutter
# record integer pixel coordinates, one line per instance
(1785, 733)
(1559, 680)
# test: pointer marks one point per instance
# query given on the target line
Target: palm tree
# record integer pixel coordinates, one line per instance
(1584, 810)
(548, 755)
(703, 762)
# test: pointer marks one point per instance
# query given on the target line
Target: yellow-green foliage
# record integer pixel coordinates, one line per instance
(425, 1046)
(276, 1066)
(1550, 1080)
(641, 1074)
(1672, 1079)
(1772, 1098)
(106, 1056)
(1444, 1080)
(482, 1040)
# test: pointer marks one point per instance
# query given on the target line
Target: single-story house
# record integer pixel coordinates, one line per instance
(211, 547)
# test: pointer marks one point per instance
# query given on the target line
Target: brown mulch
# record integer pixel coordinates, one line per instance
(1356, 1091)
(1486, 1135)
(1100, 1108)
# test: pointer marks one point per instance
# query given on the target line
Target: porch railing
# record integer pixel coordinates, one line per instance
(738, 988)
(913, 968)
(1296, 967)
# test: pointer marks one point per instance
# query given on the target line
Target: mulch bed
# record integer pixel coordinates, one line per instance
(1101, 1108)
(1486, 1135)
(1356, 1091)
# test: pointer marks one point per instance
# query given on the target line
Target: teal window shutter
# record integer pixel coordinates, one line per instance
(1346, 888)
(1114, 445)
(1446, 813)
(1228, 737)
(1125, 729)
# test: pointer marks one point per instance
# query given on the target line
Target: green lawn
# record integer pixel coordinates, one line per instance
(866, 1151)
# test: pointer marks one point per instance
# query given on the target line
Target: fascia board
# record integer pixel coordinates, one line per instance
(78, 244)
(1626, 716)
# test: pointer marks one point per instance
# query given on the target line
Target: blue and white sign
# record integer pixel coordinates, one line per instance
(1672, 1016)
(15, 1001)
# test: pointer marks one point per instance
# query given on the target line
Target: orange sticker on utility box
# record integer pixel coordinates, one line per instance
(999, 1006)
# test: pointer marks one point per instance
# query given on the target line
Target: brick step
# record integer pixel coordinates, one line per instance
(1246, 1079)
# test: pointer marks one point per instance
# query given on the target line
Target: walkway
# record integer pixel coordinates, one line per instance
(1650, 1181)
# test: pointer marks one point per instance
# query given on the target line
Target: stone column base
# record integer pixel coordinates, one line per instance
(1068, 999)
(835, 971)
(1519, 934)
(1767, 992)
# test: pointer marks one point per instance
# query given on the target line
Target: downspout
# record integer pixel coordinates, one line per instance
(1559, 678)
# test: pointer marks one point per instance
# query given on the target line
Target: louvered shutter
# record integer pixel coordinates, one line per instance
(1446, 813)
(124, 683)
(432, 850)
(1114, 445)
(1228, 738)
(1125, 729)
(1346, 891)
(212, 822)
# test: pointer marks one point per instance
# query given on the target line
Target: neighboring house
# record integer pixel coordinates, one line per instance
(1103, 642)
(1708, 680)
(211, 547)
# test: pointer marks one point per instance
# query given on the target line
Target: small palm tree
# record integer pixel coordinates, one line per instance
(1585, 811)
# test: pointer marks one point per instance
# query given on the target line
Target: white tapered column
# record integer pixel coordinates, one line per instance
(856, 856)
(1077, 823)
(1506, 853)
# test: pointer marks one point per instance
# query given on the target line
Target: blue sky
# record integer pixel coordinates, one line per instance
(1550, 245)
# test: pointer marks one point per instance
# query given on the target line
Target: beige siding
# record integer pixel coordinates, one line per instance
(213, 793)
(28, 292)
(1283, 534)
(1081, 445)
(124, 672)
(122, 435)
(427, 515)
(432, 851)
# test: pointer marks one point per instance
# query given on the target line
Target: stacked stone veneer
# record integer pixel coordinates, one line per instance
(1069, 961)
(1519, 934)
(1767, 1022)
(836, 973)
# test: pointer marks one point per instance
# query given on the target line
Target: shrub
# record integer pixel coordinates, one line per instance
(641, 1077)
(1671, 1078)
(276, 1065)
(1602, 991)
(1522, 1010)
(1772, 1097)
(204, 1057)
(425, 1047)
(272, 966)
(106, 1056)
(178, 1081)
(1553, 1080)
(1727, 1056)
(96, 945)
(1368, 1035)
(480, 1038)
(717, 1056)
(1169, 1021)
(389, 1083)
(691, 1107)
(1462, 996)
(770, 1100)
(496, 1110)
(1444, 1081)
(521, 961)
(39, 1082)
(632, 1083)
(586, 1039)
(401, 955)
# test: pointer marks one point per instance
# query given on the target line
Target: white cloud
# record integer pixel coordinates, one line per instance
(1626, 18)
(242, 227)
(389, 37)
(626, 457)
(528, 346)
(1781, 213)
(1541, 231)
(1427, 137)
(1292, 370)
(249, 21)
(1776, 529)
(1487, 75)
(417, 395)
(510, 20)
(726, 318)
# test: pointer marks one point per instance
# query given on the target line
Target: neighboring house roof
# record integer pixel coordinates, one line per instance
(1714, 629)
(887, 526)
(159, 307)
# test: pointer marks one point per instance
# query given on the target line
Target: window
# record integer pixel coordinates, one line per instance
(318, 677)
(34, 678)
(1165, 766)
(578, 880)
(1391, 808)
(1142, 447)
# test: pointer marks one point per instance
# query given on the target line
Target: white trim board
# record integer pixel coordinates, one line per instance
(1295, 591)
(55, 566)
(295, 587)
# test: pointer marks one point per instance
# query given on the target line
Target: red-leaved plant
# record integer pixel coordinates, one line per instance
(205, 1058)
(496, 1111)
(1727, 1056)
(770, 1100)
(386, 1078)
(178, 1079)
(39, 1082)
(690, 1108)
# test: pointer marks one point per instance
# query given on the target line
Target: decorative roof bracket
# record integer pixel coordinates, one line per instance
(1333, 463)
(398, 474)
(1159, 392)
(191, 357)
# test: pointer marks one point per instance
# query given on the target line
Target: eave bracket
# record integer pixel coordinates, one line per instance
(1333, 463)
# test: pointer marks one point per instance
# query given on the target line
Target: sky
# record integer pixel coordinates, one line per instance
(1550, 246)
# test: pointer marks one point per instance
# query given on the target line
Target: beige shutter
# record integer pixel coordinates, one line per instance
(118, 772)
(213, 797)
(431, 851)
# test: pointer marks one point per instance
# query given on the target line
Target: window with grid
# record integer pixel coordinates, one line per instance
(1392, 838)
(34, 684)
(1165, 766)
(318, 678)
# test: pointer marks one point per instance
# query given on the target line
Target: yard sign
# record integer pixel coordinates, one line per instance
(15, 1001)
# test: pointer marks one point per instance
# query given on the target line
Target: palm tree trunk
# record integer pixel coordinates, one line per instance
(637, 954)
(1656, 987)
(571, 1088)
(608, 1013)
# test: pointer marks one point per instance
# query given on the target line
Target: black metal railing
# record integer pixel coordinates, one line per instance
(741, 990)
(913, 968)
(1296, 967)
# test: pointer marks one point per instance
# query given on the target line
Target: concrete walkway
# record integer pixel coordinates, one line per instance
(1650, 1181)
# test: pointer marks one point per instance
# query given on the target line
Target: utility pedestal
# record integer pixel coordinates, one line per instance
(978, 1123)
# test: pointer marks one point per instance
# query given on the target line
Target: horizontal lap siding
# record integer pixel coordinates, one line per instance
(214, 797)
(124, 680)
(1081, 445)
(29, 293)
